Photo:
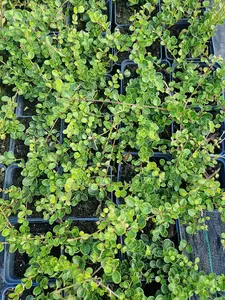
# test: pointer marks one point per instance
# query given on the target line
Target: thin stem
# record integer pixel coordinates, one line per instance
(108, 289)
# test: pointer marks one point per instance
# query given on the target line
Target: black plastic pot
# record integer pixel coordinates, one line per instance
(12, 177)
(9, 289)
(183, 20)
(21, 110)
(220, 150)
(121, 55)
(156, 157)
(178, 28)
(2, 178)
(221, 179)
(130, 64)
(109, 13)
(9, 258)
(124, 56)
(126, 11)
(27, 294)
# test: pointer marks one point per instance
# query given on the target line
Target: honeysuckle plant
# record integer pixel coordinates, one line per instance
(94, 152)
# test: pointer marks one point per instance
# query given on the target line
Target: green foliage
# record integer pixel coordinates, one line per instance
(56, 56)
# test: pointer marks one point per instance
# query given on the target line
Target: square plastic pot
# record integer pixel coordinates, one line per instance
(109, 13)
(130, 63)
(156, 156)
(124, 56)
(115, 9)
(10, 289)
(9, 258)
(11, 171)
(21, 107)
(179, 27)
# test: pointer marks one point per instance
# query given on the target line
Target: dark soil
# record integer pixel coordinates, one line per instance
(103, 108)
(211, 170)
(127, 172)
(86, 226)
(172, 234)
(82, 21)
(157, 161)
(29, 108)
(5, 90)
(177, 29)
(24, 295)
(4, 145)
(21, 150)
(187, 13)
(172, 231)
(166, 133)
(17, 178)
(40, 228)
(32, 207)
(86, 208)
(175, 127)
(25, 122)
(154, 49)
(163, 70)
(122, 56)
(149, 226)
(151, 288)
(57, 125)
(21, 263)
(124, 11)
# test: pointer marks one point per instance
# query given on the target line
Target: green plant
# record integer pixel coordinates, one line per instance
(85, 134)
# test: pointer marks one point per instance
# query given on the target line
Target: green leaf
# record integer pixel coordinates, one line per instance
(192, 212)
(5, 232)
(85, 249)
(206, 3)
(58, 85)
(81, 9)
(116, 277)
(81, 292)
(93, 190)
(146, 208)
(189, 249)
(30, 55)
(28, 181)
(37, 290)
(182, 192)
(19, 289)
(183, 244)
(189, 230)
